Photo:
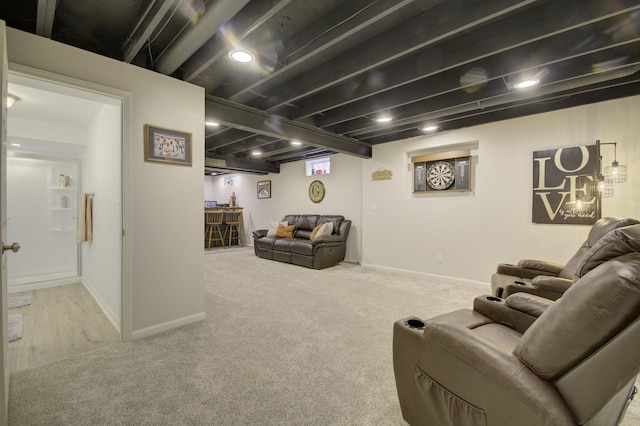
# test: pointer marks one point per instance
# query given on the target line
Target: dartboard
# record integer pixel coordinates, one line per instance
(440, 175)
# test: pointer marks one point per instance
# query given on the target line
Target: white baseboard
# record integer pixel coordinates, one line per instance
(169, 325)
(42, 284)
(111, 316)
(445, 278)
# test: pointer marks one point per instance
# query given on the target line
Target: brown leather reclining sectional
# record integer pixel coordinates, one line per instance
(527, 360)
(319, 253)
(550, 279)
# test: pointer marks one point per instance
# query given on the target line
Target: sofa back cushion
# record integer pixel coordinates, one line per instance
(336, 219)
(598, 230)
(616, 243)
(305, 225)
(594, 309)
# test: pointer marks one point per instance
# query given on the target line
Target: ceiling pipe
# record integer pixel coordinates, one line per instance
(132, 46)
(216, 13)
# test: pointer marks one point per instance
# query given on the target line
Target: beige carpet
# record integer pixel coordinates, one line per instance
(281, 345)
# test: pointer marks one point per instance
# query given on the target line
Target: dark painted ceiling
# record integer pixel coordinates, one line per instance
(326, 69)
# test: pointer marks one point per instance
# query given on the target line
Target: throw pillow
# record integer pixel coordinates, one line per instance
(315, 231)
(271, 232)
(325, 229)
(284, 231)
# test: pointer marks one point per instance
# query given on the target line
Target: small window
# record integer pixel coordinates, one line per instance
(318, 166)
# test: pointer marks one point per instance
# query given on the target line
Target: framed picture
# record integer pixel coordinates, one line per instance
(167, 146)
(264, 189)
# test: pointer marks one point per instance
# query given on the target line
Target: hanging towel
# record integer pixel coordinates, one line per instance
(89, 217)
(85, 218)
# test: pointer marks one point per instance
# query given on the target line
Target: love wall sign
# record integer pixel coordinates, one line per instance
(563, 182)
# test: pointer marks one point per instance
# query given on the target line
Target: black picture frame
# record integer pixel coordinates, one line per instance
(264, 189)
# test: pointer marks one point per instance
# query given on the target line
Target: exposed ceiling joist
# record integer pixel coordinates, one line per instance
(253, 120)
(220, 162)
(46, 13)
(193, 37)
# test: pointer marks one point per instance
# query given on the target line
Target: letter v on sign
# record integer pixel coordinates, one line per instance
(547, 205)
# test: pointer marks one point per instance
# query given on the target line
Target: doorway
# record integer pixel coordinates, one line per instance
(73, 134)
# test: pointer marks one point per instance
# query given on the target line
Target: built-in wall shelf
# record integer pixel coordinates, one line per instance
(63, 196)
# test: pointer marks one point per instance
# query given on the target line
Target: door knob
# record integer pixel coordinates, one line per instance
(13, 247)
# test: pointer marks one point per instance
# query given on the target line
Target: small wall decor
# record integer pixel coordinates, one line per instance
(564, 182)
(167, 146)
(229, 180)
(381, 174)
(264, 189)
(316, 191)
(444, 171)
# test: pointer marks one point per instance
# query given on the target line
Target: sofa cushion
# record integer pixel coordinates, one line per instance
(300, 246)
(271, 232)
(325, 229)
(337, 221)
(315, 231)
(282, 244)
(284, 231)
(291, 219)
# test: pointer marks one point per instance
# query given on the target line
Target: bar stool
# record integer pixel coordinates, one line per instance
(213, 220)
(234, 216)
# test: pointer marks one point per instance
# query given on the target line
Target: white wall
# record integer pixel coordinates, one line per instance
(474, 231)
(289, 195)
(101, 173)
(36, 219)
(163, 218)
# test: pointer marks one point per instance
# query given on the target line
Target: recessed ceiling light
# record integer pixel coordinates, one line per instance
(296, 143)
(15, 144)
(430, 128)
(212, 124)
(243, 56)
(384, 119)
(526, 83)
(256, 153)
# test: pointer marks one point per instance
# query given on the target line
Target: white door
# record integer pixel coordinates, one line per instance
(4, 342)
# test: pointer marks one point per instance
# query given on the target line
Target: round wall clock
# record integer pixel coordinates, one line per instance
(440, 175)
(316, 191)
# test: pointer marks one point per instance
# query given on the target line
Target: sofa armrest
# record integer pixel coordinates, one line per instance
(260, 233)
(557, 284)
(517, 271)
(333, 238)
(542, 266)
(530, 304)
(496, 309)
(476, 371)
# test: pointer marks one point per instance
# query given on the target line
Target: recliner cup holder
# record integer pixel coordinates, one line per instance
(493, 299)
(519, 283)
(415, 323)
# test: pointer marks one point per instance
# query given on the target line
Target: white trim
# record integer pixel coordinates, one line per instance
(126, 99)
(44, 284)
(169, 325)
(113, 318)
(441, 278)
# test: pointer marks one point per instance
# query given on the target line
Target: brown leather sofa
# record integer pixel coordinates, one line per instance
(575, 363)
(320, 253)
(549, 279)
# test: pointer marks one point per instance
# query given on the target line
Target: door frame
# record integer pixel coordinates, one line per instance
(126, 99)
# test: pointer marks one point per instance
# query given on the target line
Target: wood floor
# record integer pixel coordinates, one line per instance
(60, 322)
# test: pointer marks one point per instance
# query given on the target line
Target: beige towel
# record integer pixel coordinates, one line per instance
(85, 218)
